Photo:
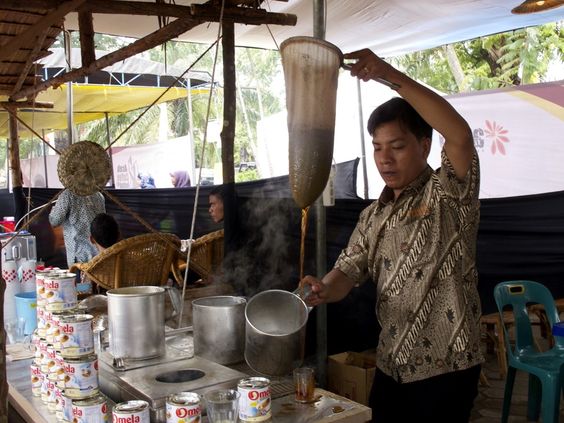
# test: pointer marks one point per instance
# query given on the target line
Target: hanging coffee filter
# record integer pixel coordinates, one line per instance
(311, 71)
(84, 167)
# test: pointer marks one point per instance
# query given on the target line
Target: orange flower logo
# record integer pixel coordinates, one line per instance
(498, 136)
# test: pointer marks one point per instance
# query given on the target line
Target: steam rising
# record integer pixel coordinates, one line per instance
(266, 257)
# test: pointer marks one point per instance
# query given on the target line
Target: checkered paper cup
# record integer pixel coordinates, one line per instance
(13, 286)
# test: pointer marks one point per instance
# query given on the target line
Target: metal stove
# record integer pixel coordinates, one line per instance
(155, 379)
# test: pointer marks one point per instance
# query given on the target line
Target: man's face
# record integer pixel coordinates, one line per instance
(216, 208)
(399, 156)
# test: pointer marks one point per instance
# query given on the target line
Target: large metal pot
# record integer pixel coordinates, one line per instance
(275, 332)
(219, 328)
(136, 322)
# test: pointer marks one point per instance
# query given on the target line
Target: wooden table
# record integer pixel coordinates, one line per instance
(327, 408)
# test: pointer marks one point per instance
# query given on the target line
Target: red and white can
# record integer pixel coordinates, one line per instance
(76, 338)
(90, 410)
(57, 372)
(41, 331)
(51, 396)
(81, 377)
(65, 408)
(255, 401)
(36, 378)
(40, 286)
(48, 360)
(184, 407)
(136, 411)
(44, 388)
(60, 292)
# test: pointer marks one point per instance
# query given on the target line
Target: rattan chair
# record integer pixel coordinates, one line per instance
(206, 255)
(141, 260)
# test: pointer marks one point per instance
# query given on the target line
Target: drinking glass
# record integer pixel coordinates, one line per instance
(304, 384)
(222, 405)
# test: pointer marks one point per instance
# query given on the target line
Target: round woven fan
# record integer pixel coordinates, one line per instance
(84, 168)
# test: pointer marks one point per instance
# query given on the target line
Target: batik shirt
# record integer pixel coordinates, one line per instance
(420, 252)
(76, 213)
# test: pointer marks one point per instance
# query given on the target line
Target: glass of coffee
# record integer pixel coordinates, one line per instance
(304, 384)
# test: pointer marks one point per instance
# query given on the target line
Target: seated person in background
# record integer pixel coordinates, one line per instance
(145, 180)
(180, 179)
(104, 231)
(216, 204)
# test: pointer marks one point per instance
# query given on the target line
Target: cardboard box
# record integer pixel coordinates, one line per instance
(350, 375)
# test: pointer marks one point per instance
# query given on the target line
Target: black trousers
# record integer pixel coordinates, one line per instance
(447, 398)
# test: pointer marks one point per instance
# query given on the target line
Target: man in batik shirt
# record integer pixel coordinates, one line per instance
(417, 243)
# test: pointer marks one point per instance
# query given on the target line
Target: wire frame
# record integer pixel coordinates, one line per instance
(532, 6)
(84, 167)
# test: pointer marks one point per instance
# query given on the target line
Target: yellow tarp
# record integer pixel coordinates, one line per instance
(90, 103)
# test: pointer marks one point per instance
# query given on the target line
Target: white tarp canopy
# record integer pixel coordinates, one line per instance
(517, 133)
(389, 27)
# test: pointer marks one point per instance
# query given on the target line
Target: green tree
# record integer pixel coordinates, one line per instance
(506, 59)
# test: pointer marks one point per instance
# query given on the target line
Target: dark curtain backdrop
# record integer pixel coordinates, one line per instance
(519, 238)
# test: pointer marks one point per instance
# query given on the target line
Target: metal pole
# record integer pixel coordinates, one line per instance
(362, 146)
(45, 159)
(70, 100)
(319, 21)
(319, 13)
(191, 134)
(109, 141)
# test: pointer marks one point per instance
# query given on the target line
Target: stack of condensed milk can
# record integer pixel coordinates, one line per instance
(64, 372)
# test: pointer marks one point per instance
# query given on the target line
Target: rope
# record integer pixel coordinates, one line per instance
(161, 95)
(204, 142)
(140, 219)
(29, 222)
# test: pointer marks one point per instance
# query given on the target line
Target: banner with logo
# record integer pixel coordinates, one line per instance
(518, 133)
(519, 136)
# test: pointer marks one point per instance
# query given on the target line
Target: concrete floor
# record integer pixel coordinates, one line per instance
(488, 405)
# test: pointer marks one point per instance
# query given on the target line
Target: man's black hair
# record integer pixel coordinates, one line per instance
(105, 230)
(218, 191)
(399, 109)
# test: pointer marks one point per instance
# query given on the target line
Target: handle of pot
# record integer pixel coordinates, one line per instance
(302, 292)
(175, 298)
(395, 87)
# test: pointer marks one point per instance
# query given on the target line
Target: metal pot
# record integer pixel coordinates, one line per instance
(219, 328)
(136, 322)
(275, 332)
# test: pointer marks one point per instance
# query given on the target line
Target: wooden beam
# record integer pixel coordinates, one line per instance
(26, 105)
(229, 102)
(14, 148)
(27, 36)
(86, 28)
(158, 37)
(242, 15)
(51, 4)
(31, 4)
(29, 62)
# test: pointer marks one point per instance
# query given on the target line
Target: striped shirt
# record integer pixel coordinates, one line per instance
(420, 252)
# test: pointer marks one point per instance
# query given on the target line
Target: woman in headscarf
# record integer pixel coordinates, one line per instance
(180, 179)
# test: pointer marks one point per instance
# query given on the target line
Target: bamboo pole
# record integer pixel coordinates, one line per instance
(15, 166)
